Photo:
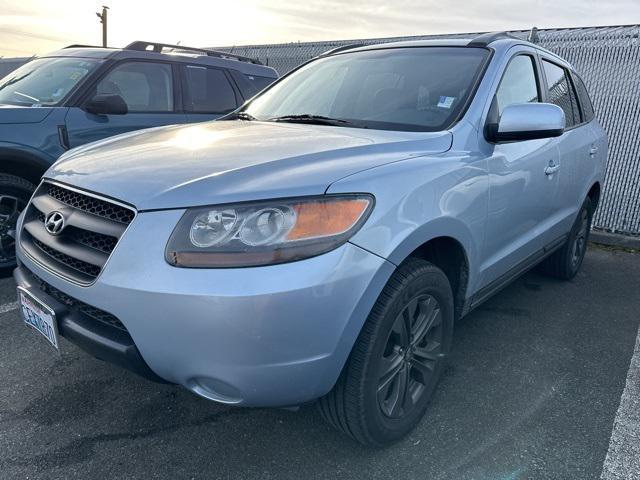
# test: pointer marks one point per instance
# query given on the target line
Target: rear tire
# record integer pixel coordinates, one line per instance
(15, 193)
(395, 365)
(566, 262)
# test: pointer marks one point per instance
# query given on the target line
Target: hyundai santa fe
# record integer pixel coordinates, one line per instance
(320, 242)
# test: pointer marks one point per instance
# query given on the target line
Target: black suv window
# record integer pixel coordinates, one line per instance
(144, 86)
(208, 91)
(259, 82)
(518, 84)
(583, 97)
(561, 92)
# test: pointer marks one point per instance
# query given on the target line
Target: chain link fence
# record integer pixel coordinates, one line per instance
(608, 59)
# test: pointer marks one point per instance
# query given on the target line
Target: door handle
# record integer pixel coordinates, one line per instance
(593, 150)
(551, 168)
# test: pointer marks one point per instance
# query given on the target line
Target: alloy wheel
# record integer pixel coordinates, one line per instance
(580, 242)
(411, 355)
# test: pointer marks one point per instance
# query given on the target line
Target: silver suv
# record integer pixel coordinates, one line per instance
(320, 242)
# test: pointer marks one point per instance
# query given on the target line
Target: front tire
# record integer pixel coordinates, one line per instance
(15, 193)
(566, 262)
(398, 359)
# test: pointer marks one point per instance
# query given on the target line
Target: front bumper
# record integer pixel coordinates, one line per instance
(101, 340)
(266, 336)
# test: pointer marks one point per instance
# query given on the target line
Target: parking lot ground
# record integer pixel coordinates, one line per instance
(531, 392)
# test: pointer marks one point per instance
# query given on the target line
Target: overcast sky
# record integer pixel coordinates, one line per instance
(37, 26)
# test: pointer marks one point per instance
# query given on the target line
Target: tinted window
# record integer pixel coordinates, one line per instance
(419, 89)
(144, 86)
(209, 91)
(45, 81)
(518, 84)
(561, 92)
(259, 82)
(585, 101)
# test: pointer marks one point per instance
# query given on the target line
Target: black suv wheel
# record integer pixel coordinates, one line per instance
(398, 359)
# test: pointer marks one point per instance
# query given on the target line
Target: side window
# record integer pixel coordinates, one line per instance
(561, 92)
(144, 86)
(583, 97)
(518, 84)
(259, 82)
(208, 91)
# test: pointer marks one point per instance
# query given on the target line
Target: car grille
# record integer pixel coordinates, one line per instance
(92, 228)
(73, 304)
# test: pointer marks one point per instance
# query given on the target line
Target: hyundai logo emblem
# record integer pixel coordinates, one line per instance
(54, 223)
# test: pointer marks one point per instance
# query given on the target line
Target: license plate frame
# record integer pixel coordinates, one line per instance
(39, 316)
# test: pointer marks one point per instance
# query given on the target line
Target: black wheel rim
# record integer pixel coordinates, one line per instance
(580, 242)
(10, 208)
(411, 356)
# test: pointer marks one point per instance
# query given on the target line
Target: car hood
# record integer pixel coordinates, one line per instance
(228, 161)
(13, 114)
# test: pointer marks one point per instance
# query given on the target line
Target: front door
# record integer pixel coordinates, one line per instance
(148, 90)
(523, 181)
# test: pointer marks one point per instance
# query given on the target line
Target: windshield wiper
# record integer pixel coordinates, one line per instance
(308, 118)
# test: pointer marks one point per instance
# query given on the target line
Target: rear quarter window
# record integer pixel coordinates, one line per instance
(259, 82)
(583, 97)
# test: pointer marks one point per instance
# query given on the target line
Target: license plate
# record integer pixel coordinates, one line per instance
(38, 316)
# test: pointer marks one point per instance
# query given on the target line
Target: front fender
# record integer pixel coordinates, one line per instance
(420, 199)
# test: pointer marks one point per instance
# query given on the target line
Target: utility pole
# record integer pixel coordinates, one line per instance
(103, 20)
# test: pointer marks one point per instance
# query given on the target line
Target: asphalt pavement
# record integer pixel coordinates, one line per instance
(531, 392)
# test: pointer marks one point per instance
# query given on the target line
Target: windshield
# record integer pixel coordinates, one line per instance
(45, 81)
(416, 89)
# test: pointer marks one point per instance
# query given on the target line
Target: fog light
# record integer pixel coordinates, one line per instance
(216, 390)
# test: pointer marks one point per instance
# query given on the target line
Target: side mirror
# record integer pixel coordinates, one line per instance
(107, 105)
(527, 121)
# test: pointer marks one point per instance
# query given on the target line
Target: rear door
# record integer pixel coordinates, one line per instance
(208, 93)
(148, 89)
(574, 145)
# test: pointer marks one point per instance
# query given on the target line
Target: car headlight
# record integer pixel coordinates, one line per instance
(266, 232)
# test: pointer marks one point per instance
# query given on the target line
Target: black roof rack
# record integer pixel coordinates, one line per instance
(486, 38)
(143, 46)
(341, 48)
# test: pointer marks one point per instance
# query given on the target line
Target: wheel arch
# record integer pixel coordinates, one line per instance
(23, 163)
(449, 255)
(449, 244)
(594, 195)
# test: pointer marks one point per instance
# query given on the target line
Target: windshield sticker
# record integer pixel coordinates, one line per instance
(446, 102)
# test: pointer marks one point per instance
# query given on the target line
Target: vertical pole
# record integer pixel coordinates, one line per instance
(103, 20)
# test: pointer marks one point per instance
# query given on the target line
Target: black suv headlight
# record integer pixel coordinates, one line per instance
(266, 232)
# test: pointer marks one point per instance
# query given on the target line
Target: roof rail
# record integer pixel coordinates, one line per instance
(341, 48)
(142, 46)
(486, 38)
